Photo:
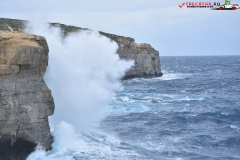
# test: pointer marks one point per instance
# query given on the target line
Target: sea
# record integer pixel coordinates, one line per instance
(192, 112)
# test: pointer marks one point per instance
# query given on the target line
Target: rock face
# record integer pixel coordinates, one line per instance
(25, 100)
(146, 58)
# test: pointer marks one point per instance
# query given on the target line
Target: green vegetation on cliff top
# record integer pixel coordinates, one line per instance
(16, 25)
(20, 25)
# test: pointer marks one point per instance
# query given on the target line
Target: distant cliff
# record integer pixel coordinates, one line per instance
(25, 100)
(146, 58)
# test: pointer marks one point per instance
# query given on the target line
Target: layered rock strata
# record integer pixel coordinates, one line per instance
(25, 100)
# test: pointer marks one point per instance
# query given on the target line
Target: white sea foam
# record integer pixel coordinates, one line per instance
(234, 127)
(124, 99)
(167, 76)
(190, 99)
(171, 76)
(172, 98)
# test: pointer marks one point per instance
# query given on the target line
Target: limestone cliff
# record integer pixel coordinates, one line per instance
(146, 58)
(25, 100)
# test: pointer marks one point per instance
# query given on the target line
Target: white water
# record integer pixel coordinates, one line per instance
(83, 74)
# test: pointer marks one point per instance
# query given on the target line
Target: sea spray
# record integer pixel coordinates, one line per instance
(83, 74)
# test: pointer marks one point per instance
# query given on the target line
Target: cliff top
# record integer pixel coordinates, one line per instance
(4, 35)
(18, 40)
(117, 38)
(14, 25)
(66, 29)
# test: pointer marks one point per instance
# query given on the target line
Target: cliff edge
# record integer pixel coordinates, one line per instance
(25, 100)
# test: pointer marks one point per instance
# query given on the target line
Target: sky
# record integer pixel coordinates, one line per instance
(170, 30)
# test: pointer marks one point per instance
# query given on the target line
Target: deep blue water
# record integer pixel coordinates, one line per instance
(192, 112)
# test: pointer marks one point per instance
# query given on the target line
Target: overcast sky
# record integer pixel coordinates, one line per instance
(161, 23)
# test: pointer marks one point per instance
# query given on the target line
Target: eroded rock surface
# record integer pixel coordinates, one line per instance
(25, 100)
(146, 58)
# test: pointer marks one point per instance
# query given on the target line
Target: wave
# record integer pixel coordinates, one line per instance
(71, 145)
(125, 104)
(172, 76)
(83, 74)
